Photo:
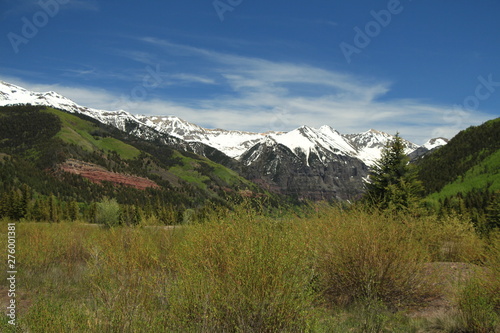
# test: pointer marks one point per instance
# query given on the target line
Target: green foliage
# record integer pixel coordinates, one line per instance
(392, 184)
(479, 301)
(371, 316)
(493, 213)
(249, 276)
(483, 176)
(477, 309)
(239, 272)
(34, 142)
(467, 149)
(365, 256)
(448, 238)
(22, 127)
(463, 176)
(108, 212)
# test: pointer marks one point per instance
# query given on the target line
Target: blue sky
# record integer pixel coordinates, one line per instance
(425, 68)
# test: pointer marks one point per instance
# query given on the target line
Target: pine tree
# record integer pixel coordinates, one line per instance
(54, 211)
(493, 213)
(392, 183)
(73, 210)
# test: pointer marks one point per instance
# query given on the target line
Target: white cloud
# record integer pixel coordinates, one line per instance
(262, 95)
(184, 77)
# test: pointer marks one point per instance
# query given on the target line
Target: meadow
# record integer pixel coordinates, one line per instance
(323, 269)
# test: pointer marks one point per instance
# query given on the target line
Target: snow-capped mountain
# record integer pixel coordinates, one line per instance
(308, 162)
(426, 148)
(366, 146)
(12, 94)
(231, 143)
(435, 143)
(305, 140)
(369, 145)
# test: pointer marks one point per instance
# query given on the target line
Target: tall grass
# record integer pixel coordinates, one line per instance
(479, 301)
(369, 257)
(242, 273)
(329, 270)
(448, 239)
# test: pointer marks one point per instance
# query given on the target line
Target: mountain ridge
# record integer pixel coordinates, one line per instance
(365, 146)
(317, 163)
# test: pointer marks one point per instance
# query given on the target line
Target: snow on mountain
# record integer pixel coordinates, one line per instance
(307, 140)
(12, 94)
(232, 143)
(370, 144)
(435, 143)
(302, 141)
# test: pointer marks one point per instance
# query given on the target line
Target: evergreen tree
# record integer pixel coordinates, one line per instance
(54, 213)
(393, 184)
(493, 213)
(26, 196)
(73, 210)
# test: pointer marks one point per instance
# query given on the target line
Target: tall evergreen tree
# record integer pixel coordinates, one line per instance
(493, 213)
(392, 183)
(53, 209)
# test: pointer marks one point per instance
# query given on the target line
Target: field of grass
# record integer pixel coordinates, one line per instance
(323, 270)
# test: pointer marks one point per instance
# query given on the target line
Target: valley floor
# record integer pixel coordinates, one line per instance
(324, 270)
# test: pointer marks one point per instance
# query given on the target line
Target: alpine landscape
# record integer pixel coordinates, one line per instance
(241, 167)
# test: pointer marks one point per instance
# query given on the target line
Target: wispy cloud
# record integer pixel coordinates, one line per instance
(184, 77)
(256, 94)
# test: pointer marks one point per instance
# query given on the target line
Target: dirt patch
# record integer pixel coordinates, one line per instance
(449, 278)
(98, 174)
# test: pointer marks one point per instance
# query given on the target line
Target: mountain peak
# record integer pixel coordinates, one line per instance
(366, 146)
(435, 142)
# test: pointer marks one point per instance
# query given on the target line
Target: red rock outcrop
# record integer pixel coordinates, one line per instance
(98, 174)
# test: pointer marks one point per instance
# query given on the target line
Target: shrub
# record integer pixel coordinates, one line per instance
(479, 301)
(477, 308)
(449, 239)
(366, 256)
(241, 274)
(108, 212)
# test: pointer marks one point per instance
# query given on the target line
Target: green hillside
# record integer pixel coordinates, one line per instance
(484, 175)
(87, 136)
(463, 177)
(465, 151)
(48, 154)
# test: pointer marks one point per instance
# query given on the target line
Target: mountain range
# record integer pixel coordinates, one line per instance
(314, 163)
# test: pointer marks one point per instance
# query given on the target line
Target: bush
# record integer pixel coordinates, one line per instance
(477, 308)
(108, 212)
(241, 274)
(479, 301)
(366, 256)
(449, 239)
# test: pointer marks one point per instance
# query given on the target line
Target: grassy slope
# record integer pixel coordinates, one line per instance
(77, 131)
(466, 151)
(190, 170)
(82, 133)
(483, 175)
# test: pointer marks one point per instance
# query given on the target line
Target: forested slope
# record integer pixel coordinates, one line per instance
(50, 157)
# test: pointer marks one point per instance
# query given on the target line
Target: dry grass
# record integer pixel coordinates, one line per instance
(328, 271)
